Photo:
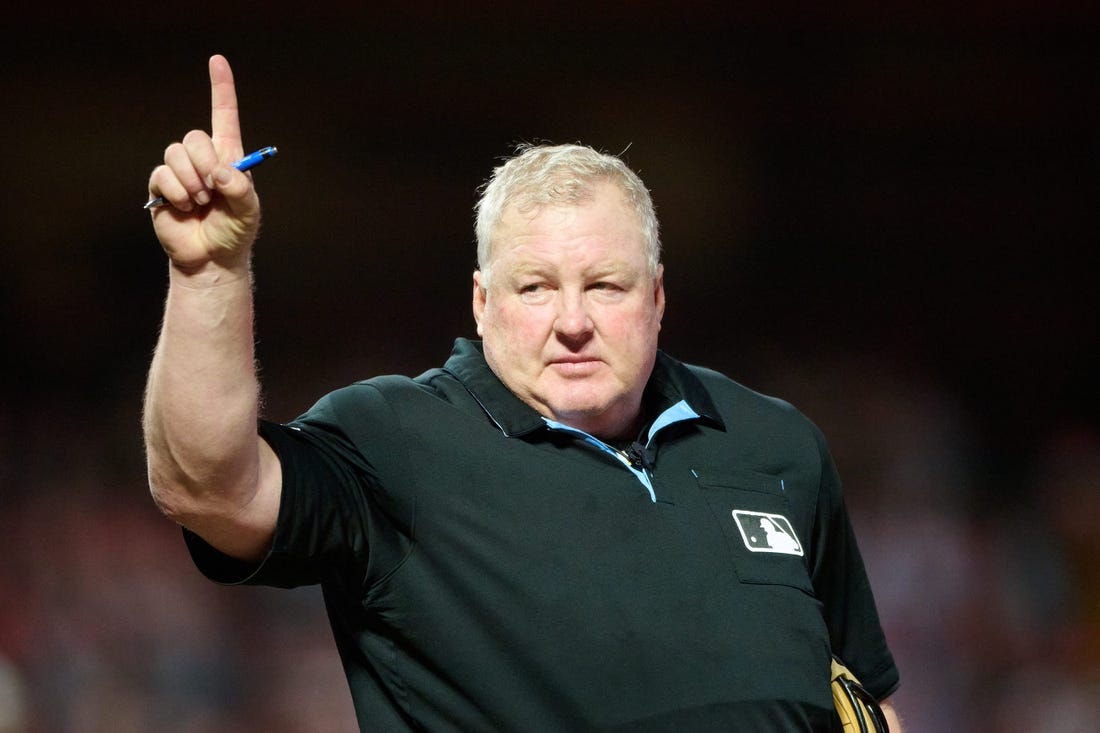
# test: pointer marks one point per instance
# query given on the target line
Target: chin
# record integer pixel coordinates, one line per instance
(588, 415)
(576, 414)
(581, 403)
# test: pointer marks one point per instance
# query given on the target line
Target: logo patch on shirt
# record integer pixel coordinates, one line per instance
(767, 532)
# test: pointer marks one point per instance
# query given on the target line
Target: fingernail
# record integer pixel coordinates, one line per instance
(223, 176)
(202, 198)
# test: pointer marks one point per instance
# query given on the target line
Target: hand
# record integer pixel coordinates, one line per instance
(214, 212)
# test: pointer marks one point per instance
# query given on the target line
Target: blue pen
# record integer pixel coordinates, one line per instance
(248, 162)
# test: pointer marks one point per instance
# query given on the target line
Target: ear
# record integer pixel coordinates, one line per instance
(659, 294)
(479, 297)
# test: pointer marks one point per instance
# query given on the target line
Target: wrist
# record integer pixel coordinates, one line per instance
(209, 274)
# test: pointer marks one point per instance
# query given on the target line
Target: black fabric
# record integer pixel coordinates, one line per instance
(482, 572)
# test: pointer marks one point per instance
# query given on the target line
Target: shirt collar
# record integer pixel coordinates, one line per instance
(670, 382)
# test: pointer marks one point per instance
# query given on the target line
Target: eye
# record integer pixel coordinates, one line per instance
(535, 292)
(607, 291)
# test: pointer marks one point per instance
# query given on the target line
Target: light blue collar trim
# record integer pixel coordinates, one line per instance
(679, 412)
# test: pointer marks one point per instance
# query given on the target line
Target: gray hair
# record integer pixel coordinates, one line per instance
(563, 175)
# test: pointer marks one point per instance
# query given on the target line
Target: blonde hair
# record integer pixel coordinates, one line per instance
(562, 175)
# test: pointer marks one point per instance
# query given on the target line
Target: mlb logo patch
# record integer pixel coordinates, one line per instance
(767, 533)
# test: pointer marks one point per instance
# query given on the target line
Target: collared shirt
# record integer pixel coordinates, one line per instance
(487, 569)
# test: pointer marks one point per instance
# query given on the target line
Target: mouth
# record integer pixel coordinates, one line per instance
(575, 365)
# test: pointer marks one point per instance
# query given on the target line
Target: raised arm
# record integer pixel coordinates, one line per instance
(208, 469)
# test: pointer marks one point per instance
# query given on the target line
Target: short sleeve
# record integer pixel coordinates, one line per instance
(841, 582)
(323, 525)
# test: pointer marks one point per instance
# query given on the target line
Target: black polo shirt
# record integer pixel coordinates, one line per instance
(485, 570)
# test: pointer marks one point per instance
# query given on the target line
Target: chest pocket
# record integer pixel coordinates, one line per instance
(754, 514)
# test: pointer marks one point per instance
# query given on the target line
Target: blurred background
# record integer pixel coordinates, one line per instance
(885, 217)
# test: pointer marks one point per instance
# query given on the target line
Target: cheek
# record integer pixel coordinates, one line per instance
(515, 328)
(634, 326)
(633, 337)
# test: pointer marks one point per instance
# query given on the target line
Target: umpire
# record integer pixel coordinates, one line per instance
(560, 529)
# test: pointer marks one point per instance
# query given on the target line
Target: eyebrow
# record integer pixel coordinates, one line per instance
(529, 270)
(615, 267)
(597, 271)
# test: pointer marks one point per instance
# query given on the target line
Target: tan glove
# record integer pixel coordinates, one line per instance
(858, 710)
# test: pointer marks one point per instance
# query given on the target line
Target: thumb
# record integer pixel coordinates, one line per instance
(236, 187)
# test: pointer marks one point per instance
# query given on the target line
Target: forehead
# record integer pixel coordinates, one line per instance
(604, 218)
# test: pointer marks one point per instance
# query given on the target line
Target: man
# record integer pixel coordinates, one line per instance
(561, 529)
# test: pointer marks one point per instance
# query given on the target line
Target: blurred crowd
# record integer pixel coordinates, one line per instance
(989, 586)
(927, 176)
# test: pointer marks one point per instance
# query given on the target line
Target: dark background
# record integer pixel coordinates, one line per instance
(885, 216)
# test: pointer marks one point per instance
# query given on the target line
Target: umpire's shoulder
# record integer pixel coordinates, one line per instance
(741, 405)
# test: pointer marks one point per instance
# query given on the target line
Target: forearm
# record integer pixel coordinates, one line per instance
(892, 719)
(202, 396)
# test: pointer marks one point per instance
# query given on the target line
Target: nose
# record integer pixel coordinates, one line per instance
(572, 319)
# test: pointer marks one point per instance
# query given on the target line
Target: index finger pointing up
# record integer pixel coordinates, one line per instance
(225, 125)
